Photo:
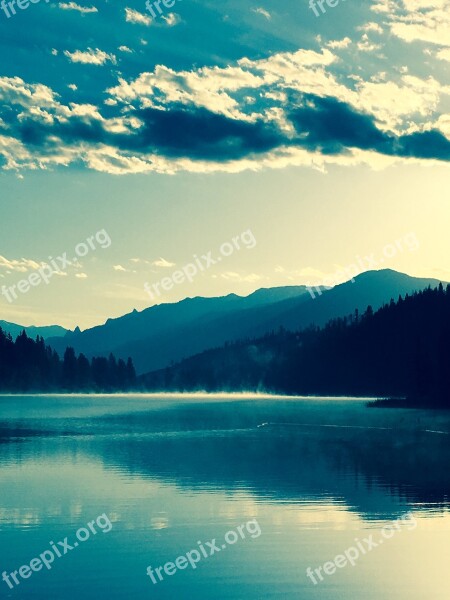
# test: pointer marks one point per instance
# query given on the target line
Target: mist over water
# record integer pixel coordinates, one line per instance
(170, 471)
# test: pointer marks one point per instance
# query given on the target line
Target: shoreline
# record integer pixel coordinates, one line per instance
(404, 403)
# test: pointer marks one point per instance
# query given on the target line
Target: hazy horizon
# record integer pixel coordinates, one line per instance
(244, 295)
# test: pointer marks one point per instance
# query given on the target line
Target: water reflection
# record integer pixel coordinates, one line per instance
(375, 462)
(169, 473)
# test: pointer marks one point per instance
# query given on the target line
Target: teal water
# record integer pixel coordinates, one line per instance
(317, 475)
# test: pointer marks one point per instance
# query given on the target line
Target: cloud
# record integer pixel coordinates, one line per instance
(172, 19)
(427, 145)
(163, 263)
(304, 275)
(74, 6)
(365, 45)
(122, 269)
(125, 49)
(263, 12)
(90, 57)
(332, 127)
(418, 20)
(22, 265)
(240, 278)
(291, 108)
(339, 44)
(134, 16)
(81, 275)
(443, 54)
(214, 87)
(196, 133)
(371, 26)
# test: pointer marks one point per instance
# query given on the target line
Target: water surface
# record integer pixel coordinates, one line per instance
(318, 475)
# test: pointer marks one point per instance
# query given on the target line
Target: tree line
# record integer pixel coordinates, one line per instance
(28, 365)
(400, 351)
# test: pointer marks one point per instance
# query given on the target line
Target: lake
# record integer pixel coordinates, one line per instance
(280, 485)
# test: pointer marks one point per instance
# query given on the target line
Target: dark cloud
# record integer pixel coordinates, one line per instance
(34, 44)
(322, 124)
(175, 133)
(427, 145)
(199, 133)
(331, 126)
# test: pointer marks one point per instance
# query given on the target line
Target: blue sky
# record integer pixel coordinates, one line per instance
(328, 137)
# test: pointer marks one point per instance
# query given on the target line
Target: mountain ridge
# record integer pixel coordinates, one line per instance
(401, 351)
(166, 333)
(46, 331)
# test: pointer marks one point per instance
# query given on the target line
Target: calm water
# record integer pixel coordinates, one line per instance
(317, 475)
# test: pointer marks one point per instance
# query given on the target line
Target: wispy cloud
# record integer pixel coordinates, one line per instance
(301, 276)
(90, 57)
(134, 16)
(21, 265)
(263, 12)
(74, 6)
(172, 19)
(374, 27)
(417, 20)
(163, 263)
(339, 44)
(240, 278)
(443, 54)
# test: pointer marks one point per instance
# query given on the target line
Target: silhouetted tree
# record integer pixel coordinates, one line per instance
(70, 371)
(131, 374)
(401, 350)
(28, 365)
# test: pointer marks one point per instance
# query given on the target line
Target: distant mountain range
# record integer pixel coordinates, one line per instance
(401, 351)
(166, 333)
(49, 331)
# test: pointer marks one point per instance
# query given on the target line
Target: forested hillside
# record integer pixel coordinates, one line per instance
(401, 350)
(30, 365)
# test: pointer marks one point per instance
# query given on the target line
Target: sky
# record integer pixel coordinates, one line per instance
(140, 144)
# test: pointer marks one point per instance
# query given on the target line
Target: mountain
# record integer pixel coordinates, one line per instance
(165, 333)
(49, 331)
(402, 351)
